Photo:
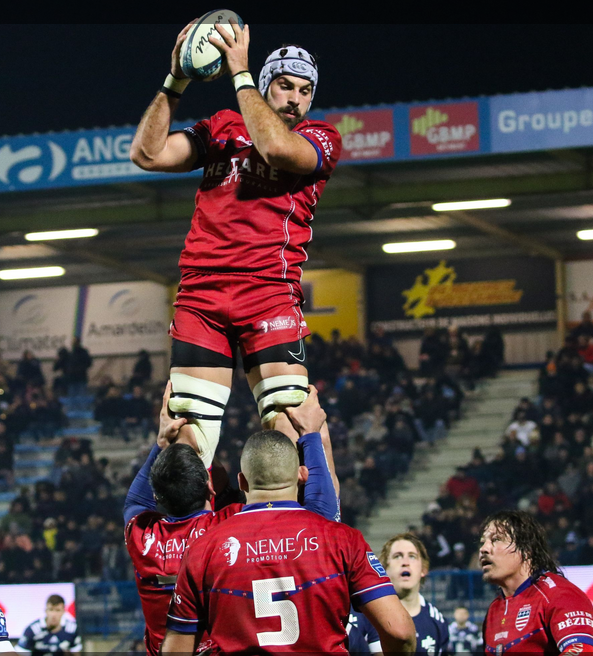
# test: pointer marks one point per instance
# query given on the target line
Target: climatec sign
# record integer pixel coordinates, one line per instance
(384, 133)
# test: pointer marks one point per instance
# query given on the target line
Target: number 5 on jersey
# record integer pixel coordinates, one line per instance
(283, 608)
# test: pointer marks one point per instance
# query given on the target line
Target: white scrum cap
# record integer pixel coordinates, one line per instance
(288, 60)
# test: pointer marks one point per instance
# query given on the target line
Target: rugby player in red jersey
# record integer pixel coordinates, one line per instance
(537, 610)
(176, 477)
(264, 170)
(276, 578)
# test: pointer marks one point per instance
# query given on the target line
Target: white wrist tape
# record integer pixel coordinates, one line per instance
(243, 80)
(175, 84)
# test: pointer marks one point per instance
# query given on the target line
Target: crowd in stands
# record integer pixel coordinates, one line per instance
(544, 465)
(379, 411)
(68, 525)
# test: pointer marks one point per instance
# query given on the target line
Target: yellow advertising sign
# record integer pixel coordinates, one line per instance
(334, 299)
(436, 289)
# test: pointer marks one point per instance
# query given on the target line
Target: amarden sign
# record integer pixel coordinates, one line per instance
(504, 292)
(110, 318)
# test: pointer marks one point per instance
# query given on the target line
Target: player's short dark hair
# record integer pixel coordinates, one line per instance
(269, 459)
(55, 600)
(179, 480)
(528, 536)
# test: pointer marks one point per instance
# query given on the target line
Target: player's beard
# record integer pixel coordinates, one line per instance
(291, 120)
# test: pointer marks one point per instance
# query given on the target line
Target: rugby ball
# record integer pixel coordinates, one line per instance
(199, 59)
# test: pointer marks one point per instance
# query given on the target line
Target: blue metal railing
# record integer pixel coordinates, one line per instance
(448, 589)
(107, 608)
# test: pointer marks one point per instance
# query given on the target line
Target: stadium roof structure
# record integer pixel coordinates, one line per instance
(369, 201)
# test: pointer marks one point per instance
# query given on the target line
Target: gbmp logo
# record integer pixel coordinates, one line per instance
(444, 128)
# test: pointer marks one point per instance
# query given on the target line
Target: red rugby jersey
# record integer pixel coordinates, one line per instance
(156, 545)
(251, 217)
(276, 578)
(546, 615)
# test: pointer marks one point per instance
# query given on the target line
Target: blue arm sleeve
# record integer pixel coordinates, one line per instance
(140, 496)
(320, 495)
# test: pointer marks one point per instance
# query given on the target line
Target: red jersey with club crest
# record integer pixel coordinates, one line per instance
(547, 615)
(276, 578)
(251, 217)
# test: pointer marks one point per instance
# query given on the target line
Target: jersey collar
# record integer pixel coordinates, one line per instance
(526, 584)
(170, 518)
(272, 505)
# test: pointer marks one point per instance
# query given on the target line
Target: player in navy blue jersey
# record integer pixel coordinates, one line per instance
(464, 636)
(362, 635)
(56, 633)
(5, 644)
(406, 562)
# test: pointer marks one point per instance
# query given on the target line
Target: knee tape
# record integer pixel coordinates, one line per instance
(202, 403)
(274, 394)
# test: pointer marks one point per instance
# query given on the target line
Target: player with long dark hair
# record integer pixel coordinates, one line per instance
(537, 609)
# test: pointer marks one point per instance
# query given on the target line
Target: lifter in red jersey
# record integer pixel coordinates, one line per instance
(264, 169)
(276, 578)
(537, 610)
(177, 477)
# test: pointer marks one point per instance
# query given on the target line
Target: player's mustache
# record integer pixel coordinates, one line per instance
(291, 110)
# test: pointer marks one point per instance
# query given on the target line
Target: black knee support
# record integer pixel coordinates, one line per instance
(291, 353)
(185, 354)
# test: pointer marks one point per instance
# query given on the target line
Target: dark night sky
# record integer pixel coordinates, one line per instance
(56, 77)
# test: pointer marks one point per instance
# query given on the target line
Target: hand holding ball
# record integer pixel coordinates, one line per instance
(199, 59)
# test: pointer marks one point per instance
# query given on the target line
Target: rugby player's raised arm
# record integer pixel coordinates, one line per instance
(140, 496)
(154, 147)
(321, 488)
(276, 143)
(270, 121)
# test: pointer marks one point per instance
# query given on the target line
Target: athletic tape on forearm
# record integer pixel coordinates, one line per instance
(243, 80)
(173, 86)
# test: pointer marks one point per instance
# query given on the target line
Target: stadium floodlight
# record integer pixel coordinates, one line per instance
(471, 205)
(79, 233)
(585, 234)
(33, 272)
(418, 246)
